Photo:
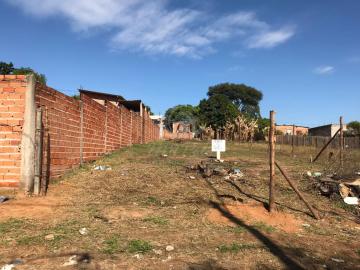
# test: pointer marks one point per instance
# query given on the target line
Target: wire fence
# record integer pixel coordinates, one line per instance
(317, 141)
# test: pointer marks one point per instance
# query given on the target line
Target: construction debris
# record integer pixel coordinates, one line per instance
(71, 261)
(102, 168)
(83, 231)
(3, 199)
(209, 169)
(331, 185)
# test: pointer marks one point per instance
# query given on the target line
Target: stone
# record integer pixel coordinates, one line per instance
(49, 237)
(169, 248)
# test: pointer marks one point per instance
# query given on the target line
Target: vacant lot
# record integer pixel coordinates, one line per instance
(147, 213)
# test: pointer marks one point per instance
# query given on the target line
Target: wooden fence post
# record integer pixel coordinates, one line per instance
(272, 161)
(39, 148)
(341, 142)
(292, 141)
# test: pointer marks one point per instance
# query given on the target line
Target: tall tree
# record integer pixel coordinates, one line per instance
(353, 127)
(246, 98)
(184, 113)
(6, 68)
(217, 111)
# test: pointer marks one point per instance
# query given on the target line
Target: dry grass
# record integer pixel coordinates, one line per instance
(147, 202)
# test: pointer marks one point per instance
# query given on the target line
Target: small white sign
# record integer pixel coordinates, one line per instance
(218, 145)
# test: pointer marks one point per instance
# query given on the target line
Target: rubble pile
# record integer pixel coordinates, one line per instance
(209, 169)
(333, 186)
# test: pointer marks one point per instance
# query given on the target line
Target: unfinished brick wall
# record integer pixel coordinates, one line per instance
(73, 130)
(12, 106)
(61, 121)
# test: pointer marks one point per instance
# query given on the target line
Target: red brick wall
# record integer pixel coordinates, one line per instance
(105, 128)
(61, 121)
(12, 101)
(94, 128)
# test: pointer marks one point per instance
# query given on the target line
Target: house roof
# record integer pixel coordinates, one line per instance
(101, 95)
(133, 105)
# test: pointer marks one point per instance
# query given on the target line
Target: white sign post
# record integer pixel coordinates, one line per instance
(218, 146)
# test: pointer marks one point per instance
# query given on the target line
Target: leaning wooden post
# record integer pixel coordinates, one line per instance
(38, 145)
(272, 161)
(341, 142)
(292, 184)
(326, 145)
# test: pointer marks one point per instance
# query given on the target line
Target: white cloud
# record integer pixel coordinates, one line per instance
(324, 70)
(152, 27)
(270, 39)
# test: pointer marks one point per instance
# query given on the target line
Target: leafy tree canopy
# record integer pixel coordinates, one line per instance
(217, 110)
(354, 127)
(184, 113)
(8, 68)
(246, 98)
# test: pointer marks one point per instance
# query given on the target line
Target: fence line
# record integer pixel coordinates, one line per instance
(318, 141)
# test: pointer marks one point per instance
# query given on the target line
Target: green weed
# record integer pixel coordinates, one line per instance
(139, 246)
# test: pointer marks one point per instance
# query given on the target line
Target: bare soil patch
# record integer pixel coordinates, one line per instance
(253, 213)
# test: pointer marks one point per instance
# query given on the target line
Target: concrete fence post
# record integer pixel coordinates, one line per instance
(28, 138)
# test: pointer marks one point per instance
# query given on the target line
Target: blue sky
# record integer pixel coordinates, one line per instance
(303, 55)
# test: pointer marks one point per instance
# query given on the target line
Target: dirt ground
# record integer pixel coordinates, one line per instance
(146, 213)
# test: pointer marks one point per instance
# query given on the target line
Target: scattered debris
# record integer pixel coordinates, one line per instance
(138, 256)
(306, 225)
(102, 168)
(169, 248)
(8, 267)
(164, 155)
(220, 171)
(317, 174)
(3, 199)
(49, 237)
(83, 231)
(158, 251)
(167, 259)
(11, 265)
(71, 261)
(352, 200)
(337, 260)
(334, 186)
(191, 177)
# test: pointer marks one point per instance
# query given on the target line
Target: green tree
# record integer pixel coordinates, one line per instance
(353, 127)
(246, 98)
(41, 78)
(216, 111)
(6, 68)
(184, 113)
(262, 128)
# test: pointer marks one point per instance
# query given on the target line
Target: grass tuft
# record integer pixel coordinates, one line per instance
(235, 247)
(139, 246)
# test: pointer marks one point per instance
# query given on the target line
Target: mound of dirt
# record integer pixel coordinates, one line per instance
(253, 213)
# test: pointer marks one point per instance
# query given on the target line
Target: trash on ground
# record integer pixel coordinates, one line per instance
(306, 225)
(138, 256)
(158, 251)
(3, 199)
(49, 237)
(351, 200)
(8, 267)
(337, 260)
(71, 261)
(317, 174)
(191, 177)
(102, 168)
(164, 155)
(83, 231)
(169, 248)
(167, 259)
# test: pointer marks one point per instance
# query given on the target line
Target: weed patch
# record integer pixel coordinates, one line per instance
(235, 247)
(139, 246)
(111, 245)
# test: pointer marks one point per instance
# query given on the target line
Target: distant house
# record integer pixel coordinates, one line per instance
(325, 131)
(288, 129)
(159, 120)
